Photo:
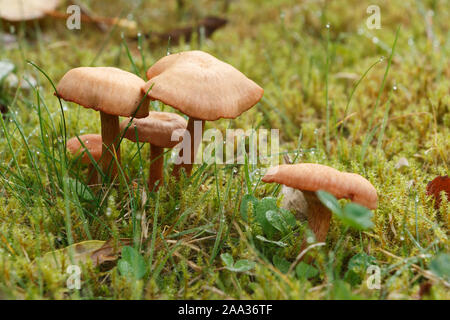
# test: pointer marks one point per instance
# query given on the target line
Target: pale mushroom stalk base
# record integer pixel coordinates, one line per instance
(110, 132)
(195, 142)
(156, 167)
(319, 218)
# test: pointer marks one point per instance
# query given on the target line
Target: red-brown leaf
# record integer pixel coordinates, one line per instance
(435, 187)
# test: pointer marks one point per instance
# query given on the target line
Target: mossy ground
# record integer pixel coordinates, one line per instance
(282, 45)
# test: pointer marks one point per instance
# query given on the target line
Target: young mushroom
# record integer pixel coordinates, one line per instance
(311, 177)
(156, 129)
(114, 93)
(203, 88)
(92, 143)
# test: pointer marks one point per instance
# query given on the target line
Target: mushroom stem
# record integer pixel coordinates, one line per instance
(92, 175)
(319, 218)
(156, 167)
(110, 147)
(194, 143)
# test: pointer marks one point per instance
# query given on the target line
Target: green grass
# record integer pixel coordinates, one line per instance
(389, 108)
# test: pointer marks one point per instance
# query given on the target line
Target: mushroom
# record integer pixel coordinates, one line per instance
(92, 143)
(311, 177)
(21, 10)
(114, 93)
(203, 88)
(156, 129)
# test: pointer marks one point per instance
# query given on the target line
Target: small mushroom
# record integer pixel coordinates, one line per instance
(22, 10)
(114, 93)
(93, 143)
(203, 88)
(311, 177)
(155, 129)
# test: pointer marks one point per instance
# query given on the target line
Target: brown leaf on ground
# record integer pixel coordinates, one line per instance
(109, 251)
(435, 187)
(96, 251)
(208, 24)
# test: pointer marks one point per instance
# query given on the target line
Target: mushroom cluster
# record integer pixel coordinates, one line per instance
(194, 82)
(202, 88)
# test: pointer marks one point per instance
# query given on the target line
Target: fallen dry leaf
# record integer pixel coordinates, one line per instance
(109, 251)
(209, 25)
(95, 251)
(435, 187)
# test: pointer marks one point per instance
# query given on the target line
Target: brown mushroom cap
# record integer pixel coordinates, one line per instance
(201, 86)
(110, 90)
(92, 142)
(314, 177)
(21, 10)
(156, 128)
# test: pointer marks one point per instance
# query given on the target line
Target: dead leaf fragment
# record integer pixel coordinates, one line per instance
(95, 251)
(208, 25)
(109, 251)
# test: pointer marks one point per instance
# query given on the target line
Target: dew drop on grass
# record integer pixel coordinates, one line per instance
(375, 40)
(394, 88)
(382, 58)
(328, 26)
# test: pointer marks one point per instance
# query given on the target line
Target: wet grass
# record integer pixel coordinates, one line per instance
(341, 96)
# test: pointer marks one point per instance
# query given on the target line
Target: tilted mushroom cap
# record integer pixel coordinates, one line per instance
(156, 128)
(201, 86)
(111, 90)
(21, 10)
(92, 142)
(314, 177)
